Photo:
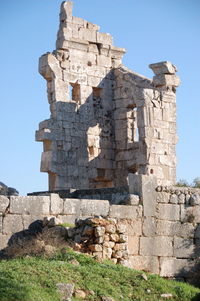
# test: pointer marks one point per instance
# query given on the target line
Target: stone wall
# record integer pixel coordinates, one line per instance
(106, 121)
(162, 223)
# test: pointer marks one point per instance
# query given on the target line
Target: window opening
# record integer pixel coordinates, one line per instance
(74, 92)
(133, 133)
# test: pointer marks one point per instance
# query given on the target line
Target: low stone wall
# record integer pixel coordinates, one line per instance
(162, 224)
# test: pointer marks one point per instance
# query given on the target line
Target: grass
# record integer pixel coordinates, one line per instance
(35, 278)
(67, 225)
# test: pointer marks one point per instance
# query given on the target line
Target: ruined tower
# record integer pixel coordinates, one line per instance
(106, 121)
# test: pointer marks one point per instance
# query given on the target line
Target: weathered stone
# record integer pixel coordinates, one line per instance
(114, 237)
(172, 228)
(94, 207)
(122, 238)
(133, 245)
(145, 187)
(12, 223)
(120, 211)
(95, 248)
(156, 246)
(35, 205)
(72, 206)
(169, 212)
(110, 229)
(163, 197)
(108, 244)
(163, 68)
(107, 252)
(133, 200)
(99, 231)
(66, 290)
(121, 227)
(80, 294)
(173, 199)
(4, 203)
(149, 226)
(145, 263)
(194, 199)
(4, 241)
(56, 204)
(184, 248)
(171, 266)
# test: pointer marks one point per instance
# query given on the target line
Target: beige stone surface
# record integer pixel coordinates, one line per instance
(12, 223)
(156, 246)
(145, 263)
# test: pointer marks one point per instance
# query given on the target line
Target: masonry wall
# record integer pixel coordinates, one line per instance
(163, 231)
(106, 121)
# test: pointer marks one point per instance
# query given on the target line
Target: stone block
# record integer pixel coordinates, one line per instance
(156, 246)
(145, 263)
(94, 207)
(170, 267)
(28, 219)
(66, 11)
(34, 205)
(57, 204)
(4, 203)
(184, 248)
(133, 245)
(133, 200)
(1, 222)
(163, 197)
(163, 68)
(173, 228)
(125, 211)
(166, 80)
(4, 241)
(145, 187)
(104, 38)
(134, 227)
(190, 214)
(149, 226)
(12, 223)
(88, 35)
(173, 199)
(169, 212)
(72, 206)
(104, 61)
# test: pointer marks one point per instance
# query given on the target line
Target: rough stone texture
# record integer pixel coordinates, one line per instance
(145, 263)
(4, 203)
(12, 224)
(171, 267)
(128, 212)
(168, 212)
(156, 246)
(56, 204)
(30, 205)
(106, 121)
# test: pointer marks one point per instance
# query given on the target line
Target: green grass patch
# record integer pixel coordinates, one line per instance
(67, 225)
(35, 279)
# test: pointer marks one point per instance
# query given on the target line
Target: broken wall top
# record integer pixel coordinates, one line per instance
(80, 34)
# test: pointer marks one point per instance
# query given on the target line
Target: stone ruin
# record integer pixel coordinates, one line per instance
(106, 121)
(109, 151)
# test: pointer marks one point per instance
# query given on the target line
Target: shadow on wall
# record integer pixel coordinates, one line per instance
(190, 268)
(93, 144)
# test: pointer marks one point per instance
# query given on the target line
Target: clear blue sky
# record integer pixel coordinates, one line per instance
(150, 30)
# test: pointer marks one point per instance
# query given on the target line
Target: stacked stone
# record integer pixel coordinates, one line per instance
(145, 123)
(103, 238)
(79, 139)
